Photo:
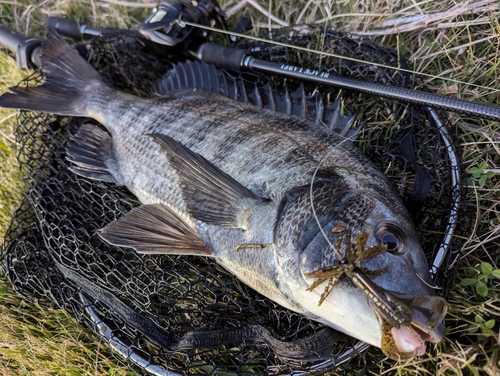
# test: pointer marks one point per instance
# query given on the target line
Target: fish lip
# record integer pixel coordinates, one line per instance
(418, 339)
(406, 321)
(426, 324)
(428, 315)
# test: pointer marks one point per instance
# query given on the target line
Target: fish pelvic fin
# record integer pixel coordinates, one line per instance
(91, 151)
(68, 79)
(211, 195)
(155, 229)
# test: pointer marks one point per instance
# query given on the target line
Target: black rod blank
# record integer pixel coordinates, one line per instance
(238, 60)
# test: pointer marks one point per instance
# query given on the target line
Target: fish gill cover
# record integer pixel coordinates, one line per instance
(147, 307)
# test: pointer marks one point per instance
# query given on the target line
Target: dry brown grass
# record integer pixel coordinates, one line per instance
(455, 42)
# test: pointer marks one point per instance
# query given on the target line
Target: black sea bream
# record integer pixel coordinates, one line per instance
(288, 206)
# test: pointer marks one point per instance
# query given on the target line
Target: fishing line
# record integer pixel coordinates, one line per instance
(435, 287)
(323, 53)
(312, 201)
(314, 210)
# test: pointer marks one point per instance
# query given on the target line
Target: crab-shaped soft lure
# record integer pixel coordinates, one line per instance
(349, 264)
(391, 309)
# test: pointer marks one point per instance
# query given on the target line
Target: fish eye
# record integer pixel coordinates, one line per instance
(391, 241)
(392, 237)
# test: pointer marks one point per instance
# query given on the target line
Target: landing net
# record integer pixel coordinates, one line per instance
(56, 225)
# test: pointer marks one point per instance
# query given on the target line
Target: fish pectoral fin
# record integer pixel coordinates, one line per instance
(155, 229)
(90, 149)
(211, 195)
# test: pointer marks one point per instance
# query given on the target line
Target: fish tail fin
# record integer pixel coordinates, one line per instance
(69, 79)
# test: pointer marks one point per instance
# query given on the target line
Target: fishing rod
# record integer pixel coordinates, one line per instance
(180, 25)
(239, 60)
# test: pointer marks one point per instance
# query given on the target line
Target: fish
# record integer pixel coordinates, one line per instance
(288, 206)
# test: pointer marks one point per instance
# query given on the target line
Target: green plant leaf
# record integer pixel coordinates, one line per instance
(490, 324)
(486, 267)
(481, 288)
(483, 165)
(473, 272)
(5, 148)
(469, 281)
(473, 329)
(496, 273)
(490, 174)
(478, 319)
(476, 172)
(486, 330)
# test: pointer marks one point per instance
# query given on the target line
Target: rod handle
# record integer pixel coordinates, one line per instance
(68, 28)
(26, 49)
(222, 56)
(11, 39)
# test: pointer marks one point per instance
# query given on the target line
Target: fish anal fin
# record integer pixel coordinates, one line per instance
(211, 195)
(155, 229)
(90, 149)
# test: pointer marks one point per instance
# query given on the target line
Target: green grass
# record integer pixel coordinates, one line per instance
(37, 341)
(459, 49)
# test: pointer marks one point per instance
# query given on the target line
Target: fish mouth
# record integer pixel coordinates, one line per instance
(407, 321)
(407, 340)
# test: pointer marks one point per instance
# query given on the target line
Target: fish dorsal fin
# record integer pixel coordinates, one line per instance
(267, 97)
(189, 75)
(154, 229)
(90, 149)
(284, 101)
(258, 92)
(315, 108)
(299, 102)
(211, 195)
(343, 125)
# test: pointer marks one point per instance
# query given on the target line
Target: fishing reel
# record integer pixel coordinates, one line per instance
(166, 26)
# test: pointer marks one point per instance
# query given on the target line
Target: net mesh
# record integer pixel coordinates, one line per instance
(57, 222)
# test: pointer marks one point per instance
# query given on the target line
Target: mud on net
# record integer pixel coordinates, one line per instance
(143, 306)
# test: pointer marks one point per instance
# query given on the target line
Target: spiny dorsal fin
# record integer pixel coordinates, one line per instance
(255, 96)
(90, 149)
(242, 92)
(200, 76)
(283, 101)
(211, 195)
(299, 102)
(332, 114)
(267, 96)
(315, 108)
(154, 229)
